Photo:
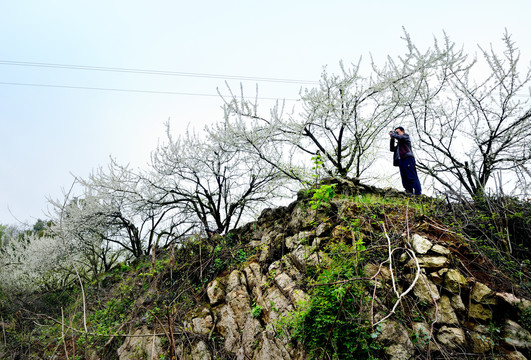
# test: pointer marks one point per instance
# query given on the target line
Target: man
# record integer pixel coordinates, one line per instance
(404, 159)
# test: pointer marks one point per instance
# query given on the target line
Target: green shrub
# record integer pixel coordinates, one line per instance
(334, 321)
(322, 196)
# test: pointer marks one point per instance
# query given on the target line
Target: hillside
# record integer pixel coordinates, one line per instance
(345, 272)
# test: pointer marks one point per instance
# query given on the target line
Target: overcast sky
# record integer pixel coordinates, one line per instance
(69, 100)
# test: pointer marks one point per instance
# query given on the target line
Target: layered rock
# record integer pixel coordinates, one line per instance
(455, 312)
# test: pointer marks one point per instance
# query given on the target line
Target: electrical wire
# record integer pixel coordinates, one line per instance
(155, 72)
(127, 90)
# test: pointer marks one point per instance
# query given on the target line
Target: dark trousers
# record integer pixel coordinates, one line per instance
(408, 173)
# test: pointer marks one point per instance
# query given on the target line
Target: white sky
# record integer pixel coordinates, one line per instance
(50, 132)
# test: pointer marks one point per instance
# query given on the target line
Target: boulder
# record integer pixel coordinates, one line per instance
(511, 299)
(400, 346)
(141, 346)
(457, 303)
(516, 336)
(424, 289)
(441, 250)
(420, 244)
(430, 262)
(421, 334)
(215, 292)
(480, 312)
(482, 294)
(445, 312)
(480, 343)
(454, 281)
(451, 337)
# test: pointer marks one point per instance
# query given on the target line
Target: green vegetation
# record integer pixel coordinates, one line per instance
(334, 322)
(322, 195)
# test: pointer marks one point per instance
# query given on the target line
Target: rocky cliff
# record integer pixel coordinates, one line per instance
(345, 272)
(421, 290)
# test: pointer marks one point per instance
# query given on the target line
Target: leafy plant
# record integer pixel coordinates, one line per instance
(256, 310)
(333, 322)
(322, 195)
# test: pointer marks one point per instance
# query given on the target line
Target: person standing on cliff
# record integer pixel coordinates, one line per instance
(403, 157)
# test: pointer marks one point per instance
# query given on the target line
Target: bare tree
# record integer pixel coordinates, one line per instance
(468, 130)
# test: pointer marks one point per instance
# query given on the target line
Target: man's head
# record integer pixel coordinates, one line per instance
(399, 130)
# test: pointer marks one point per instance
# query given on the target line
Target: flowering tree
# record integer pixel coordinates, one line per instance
(471, 124)
(337, 126)
(208, 180)
(116, 212)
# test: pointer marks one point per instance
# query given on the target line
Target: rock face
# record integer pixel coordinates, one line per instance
(141, 346)
(453, 313)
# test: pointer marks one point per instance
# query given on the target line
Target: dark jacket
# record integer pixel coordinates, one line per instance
(401, 150)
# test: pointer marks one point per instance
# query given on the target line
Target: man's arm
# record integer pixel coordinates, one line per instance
(399, 137)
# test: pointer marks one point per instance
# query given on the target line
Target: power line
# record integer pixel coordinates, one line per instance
(155, 72)
(126, 90)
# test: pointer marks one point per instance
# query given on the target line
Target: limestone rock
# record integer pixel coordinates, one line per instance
(420, 244)
(297, 296)
(235, 280)
(457, 303)
(430, 262)
(276, 304)
(304, 237)
(318, 241)
(202, 325)
(451, 337)
(439, 249)
(480, 343)
(400, 345)
(302, 218)
(445, 312)
(199, 351)
(454, 281)
(341, 232)
(482, 294)
(421, 334)
(513, 355)
(322, 230)
(478, 311)
(215, 292)
(516, 336)
(284, 282)
(271, 349)
(250, 332)
(255, 280)
(511, 299)
(399, 352)
(436, 278)
(384, 273)
(424, 289)
(235, 323)
(141, 347)
(479, 328)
